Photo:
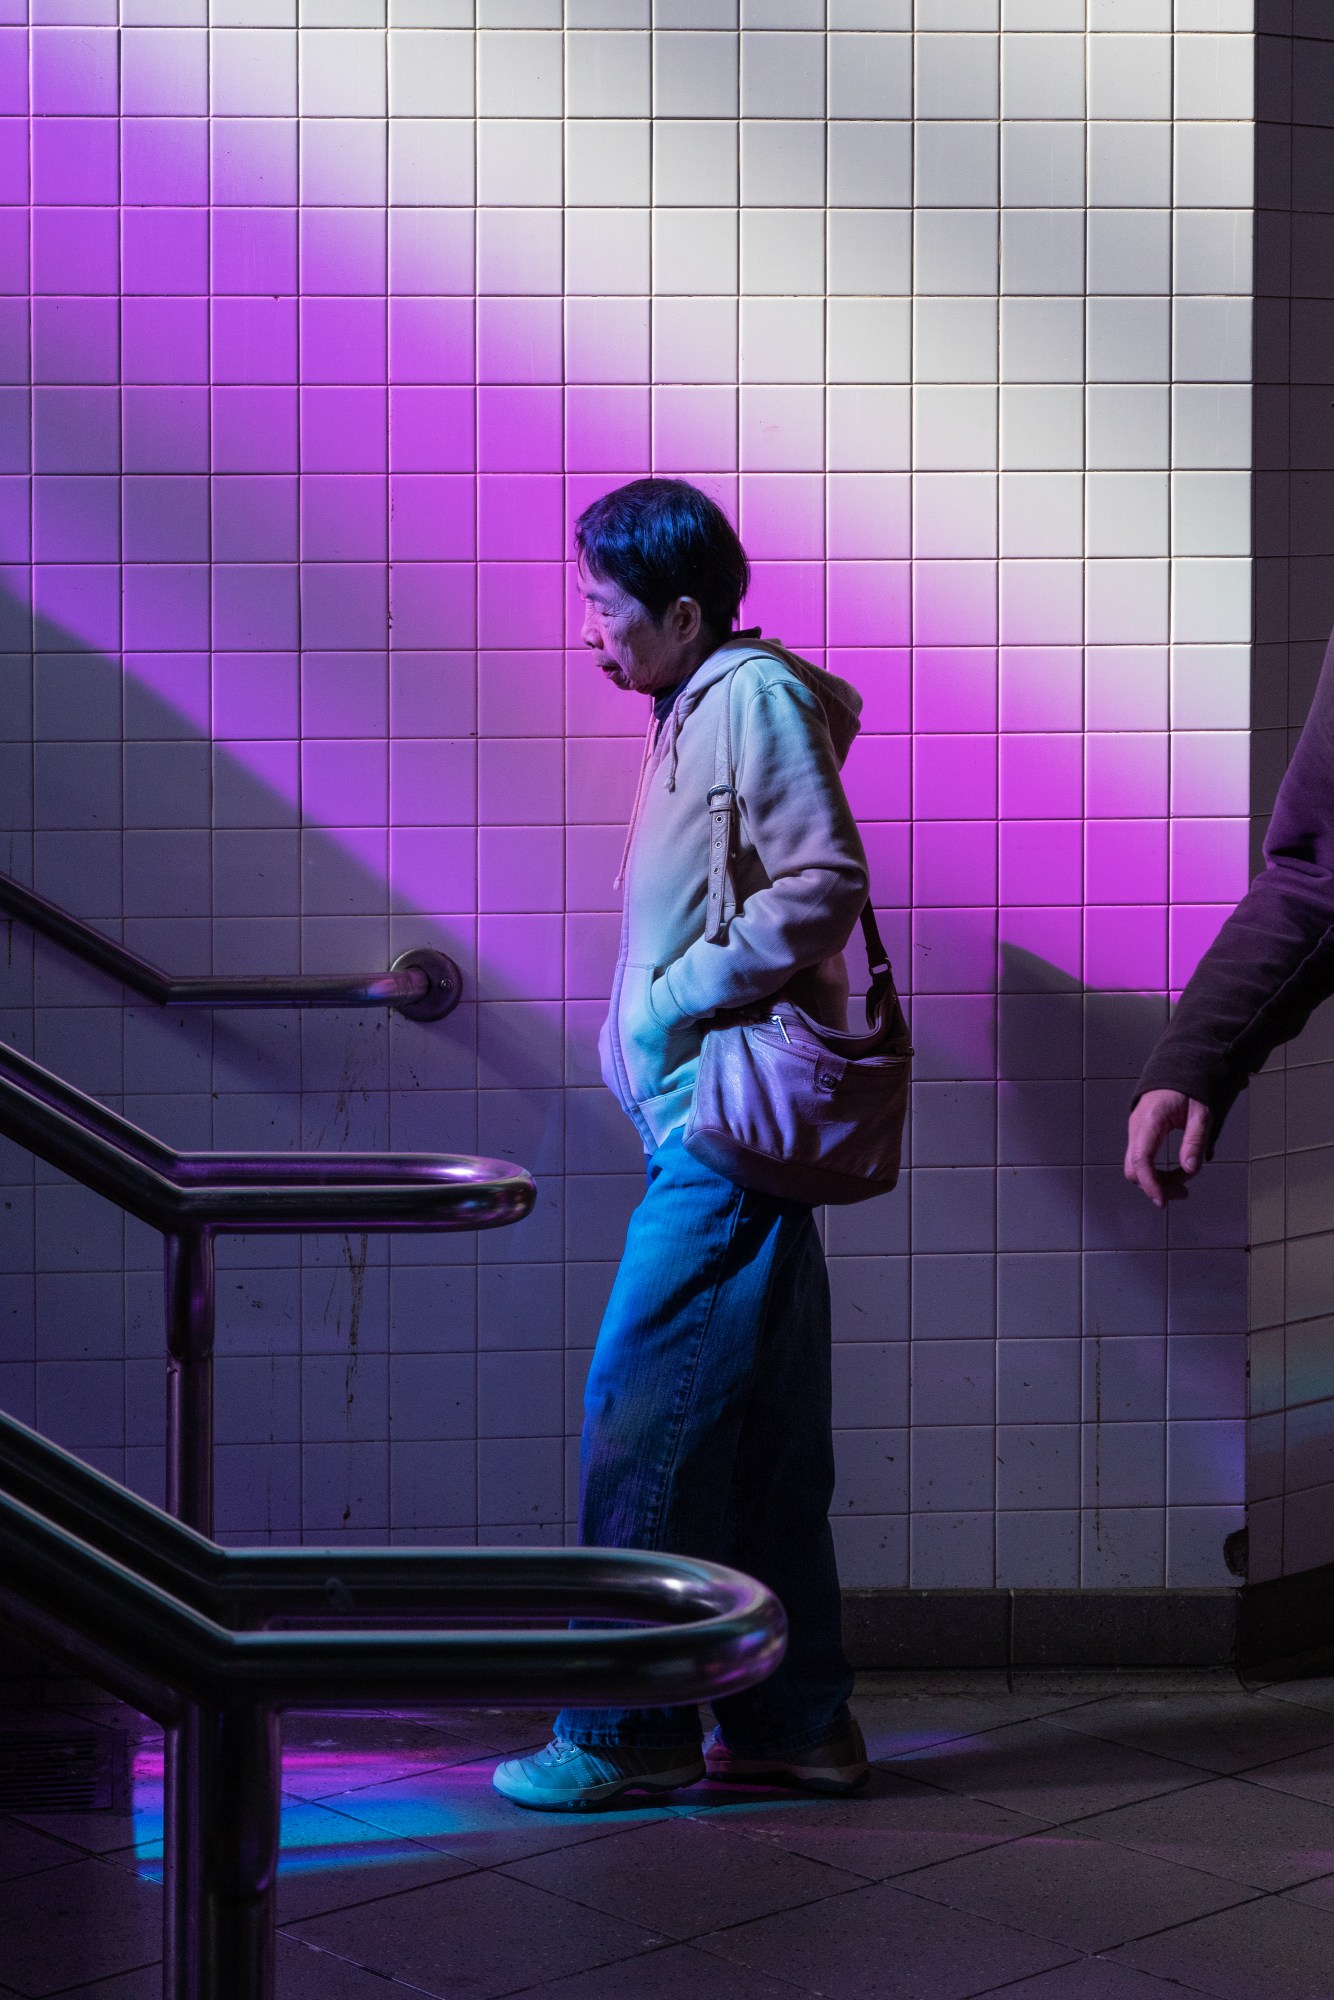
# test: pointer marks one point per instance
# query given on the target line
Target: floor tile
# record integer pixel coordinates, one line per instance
(682, 1877)
(1319, 1894)
(303, 1972)
(482, 1934)
(1316, 1692)
(1308, 1775)
(145, 1984)
(458, 1812)
(894, 1825)
(501, 1729)
(992, 1681)
(315, 1839)
(1090, 1979)
(950, 1870)
(1075, 1891)
(1246, 1833)
(1219, 1732)
(1046, 1771)
(327, 1754)
(75, 1924)
(1272, 1949)
(897, 1725)
(315, 1880)
(845, 1946)
(23, 1851)
(93, 1832)
(679, 1972)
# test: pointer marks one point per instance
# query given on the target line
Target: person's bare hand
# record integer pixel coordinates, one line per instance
(1158, 1113)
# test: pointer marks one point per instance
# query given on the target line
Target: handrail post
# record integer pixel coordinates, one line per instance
(222, 1854)
(188, 1285)
(189, 1302)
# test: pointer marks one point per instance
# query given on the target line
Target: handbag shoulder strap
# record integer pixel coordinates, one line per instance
(721, 905)
(877, 959)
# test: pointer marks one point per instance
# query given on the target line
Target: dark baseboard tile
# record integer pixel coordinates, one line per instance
(926, 1630)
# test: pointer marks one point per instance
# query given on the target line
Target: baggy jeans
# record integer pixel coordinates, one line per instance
(707, 1433)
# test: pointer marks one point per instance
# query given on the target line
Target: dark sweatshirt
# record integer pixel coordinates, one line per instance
(1273, 961)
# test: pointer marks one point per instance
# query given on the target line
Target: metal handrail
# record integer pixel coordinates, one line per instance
(193, 1198)
(246, 1589)
(251, 1192)
(184, 1629)
(424, 984)
(201, 1618)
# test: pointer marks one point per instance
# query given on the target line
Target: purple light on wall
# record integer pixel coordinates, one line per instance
(343, 344)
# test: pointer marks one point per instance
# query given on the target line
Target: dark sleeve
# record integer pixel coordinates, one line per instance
(1273, 961)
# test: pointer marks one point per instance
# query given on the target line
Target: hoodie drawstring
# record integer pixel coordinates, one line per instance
(680, 710)
(639, 799)
(671, 751)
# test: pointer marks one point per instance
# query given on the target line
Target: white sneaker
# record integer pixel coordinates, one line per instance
(577, 1777)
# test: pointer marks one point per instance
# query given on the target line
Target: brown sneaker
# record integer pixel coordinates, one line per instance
(835, 1766)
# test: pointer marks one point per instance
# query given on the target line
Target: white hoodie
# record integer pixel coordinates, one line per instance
(798, 872)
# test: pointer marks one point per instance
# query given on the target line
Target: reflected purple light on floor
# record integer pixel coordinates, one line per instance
(328, 1834)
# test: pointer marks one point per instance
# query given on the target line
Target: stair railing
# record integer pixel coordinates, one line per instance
(424, 984)
(213, 1746)
(215, 1643)
(193, 1198)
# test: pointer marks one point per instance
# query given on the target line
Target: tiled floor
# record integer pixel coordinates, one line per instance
(1071, 1838)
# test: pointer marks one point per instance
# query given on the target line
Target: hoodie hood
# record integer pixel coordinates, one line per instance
(838, 698)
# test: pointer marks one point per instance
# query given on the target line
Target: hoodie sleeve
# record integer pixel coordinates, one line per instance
(796, 817)
(1273, 961)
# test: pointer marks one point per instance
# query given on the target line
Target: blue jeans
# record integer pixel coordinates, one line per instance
(707, 1433)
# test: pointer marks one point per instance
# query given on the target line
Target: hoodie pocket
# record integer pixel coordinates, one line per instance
(657, 1058)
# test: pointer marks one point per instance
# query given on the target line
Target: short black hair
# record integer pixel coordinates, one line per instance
(661, 539)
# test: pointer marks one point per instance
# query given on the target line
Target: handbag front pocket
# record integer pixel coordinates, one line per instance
(776, 1109)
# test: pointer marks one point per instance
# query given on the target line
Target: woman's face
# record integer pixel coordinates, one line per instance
(633, 649)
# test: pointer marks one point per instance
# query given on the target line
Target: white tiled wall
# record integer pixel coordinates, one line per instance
(951, 308)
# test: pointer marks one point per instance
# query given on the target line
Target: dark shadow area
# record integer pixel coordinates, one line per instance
(1291, 1518)
(349, 1376)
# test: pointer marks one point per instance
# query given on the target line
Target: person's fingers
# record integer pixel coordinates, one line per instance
(1148, 1179)
(1196, 1137)
(1146, 1135)
(1157, 1113)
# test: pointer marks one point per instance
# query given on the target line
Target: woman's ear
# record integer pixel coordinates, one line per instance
(687, 620)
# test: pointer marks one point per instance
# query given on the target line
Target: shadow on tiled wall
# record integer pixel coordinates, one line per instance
(122, 837)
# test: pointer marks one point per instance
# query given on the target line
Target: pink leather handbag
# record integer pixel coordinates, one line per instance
(785, 1105)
